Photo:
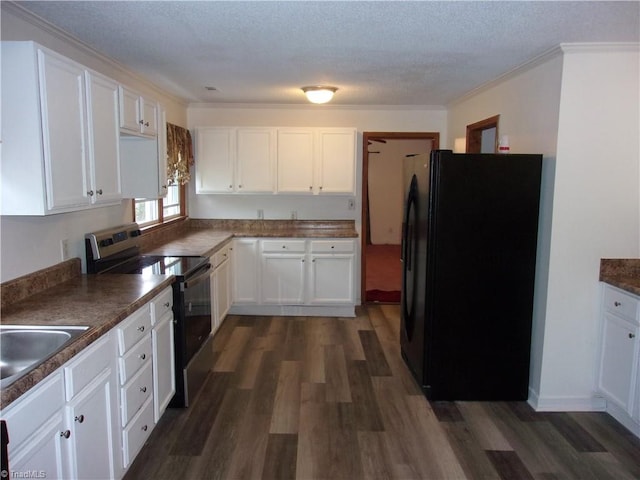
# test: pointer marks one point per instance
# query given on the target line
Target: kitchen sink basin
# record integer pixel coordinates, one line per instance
(23, 348)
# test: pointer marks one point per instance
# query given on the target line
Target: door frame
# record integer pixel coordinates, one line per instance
(366, 138)
(474, 134)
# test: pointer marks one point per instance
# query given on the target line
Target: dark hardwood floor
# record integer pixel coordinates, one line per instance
(327, 398)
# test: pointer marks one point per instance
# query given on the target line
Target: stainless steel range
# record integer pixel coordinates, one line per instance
(117, 250)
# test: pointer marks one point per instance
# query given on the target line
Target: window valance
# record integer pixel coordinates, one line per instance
(179, 154)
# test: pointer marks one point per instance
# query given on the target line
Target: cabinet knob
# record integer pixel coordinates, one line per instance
(632, 335)
(167, 304)
(143, 356)
(303, 260)
(146, 124)
(65, 434)
(143, 389)
(99, 192)
(90, 193)
(144, 428)
(310, 187)
(141, 328)
(321, 188)
(79, 418)
(617, 304)
(230, 186)
(141, 122)
(239, 186)
(164, 187)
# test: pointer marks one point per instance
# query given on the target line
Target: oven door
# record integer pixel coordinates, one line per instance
(195, 320)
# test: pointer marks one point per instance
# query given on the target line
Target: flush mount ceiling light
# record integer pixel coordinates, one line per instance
(319, 93)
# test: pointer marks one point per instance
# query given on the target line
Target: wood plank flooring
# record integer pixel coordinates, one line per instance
(328, 398)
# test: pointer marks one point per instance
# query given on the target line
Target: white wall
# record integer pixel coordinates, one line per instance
(33, 243)
(596, 210)
(579, 108)
(401, 119)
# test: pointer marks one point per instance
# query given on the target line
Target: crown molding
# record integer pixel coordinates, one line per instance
(297, 106)
(559, 50)
(40, 23)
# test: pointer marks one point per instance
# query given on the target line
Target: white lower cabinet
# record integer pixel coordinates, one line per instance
(72, 438)
(90, 418)
(221, 284)
(245, 270)
(297, 277)
(619, 369)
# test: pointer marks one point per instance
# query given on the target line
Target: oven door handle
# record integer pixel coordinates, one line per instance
(201, 275)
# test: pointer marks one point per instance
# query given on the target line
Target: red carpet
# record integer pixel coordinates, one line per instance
(383, 296)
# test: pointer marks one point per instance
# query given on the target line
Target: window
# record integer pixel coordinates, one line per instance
(151, 212)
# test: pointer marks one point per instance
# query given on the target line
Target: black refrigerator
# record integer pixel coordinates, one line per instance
(469, 254)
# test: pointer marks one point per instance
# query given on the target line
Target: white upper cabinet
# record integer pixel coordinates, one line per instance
(295, 160)
(138, 115)
(55, 154)
(235, 160)
(280, 160)
(336, 153)
(102, 116)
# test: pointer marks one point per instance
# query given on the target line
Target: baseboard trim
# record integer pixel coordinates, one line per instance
(295, 310)
(592, 403)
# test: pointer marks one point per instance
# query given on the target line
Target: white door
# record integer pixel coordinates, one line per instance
(62, 91)
(619, 352)
(104, 134)
(216, 156)
(283, 278)
(89, 418)
(164, 380)
(332, 279)
(295, 160)
(255, 160)
(336, 161)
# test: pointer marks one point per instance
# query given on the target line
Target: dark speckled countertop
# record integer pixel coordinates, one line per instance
(623, 273)
(97, 301)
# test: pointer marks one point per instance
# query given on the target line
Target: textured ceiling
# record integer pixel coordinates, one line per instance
(376, 53)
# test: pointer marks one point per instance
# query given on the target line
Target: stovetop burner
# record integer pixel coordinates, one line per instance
(158, 265)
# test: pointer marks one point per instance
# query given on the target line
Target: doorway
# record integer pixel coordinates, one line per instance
(382, 209)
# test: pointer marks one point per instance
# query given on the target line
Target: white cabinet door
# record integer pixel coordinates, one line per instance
(331, 279)
(295, 160)
(47, 451)
(619, 355)
(148, 116)
(164, 379)
(283, 278)
(62, 91)
(129, 117)
(89, 416)
(221, 286)
(162, 181)
(245, 270)
(256, 160)
(215, 150)
(336, 160)
(104, 152)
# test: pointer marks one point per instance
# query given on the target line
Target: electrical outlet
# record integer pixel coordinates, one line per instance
(352, 204)
(64, 249)
(260, 214)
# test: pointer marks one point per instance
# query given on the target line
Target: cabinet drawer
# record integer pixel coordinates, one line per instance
(136, 392)
(88, 365)
(133, 329)
(161, 305)
(25, 417)
(297, 246)
(134, 436)
(136, 358)
(221, 256)
(621, 303)
(331, 246)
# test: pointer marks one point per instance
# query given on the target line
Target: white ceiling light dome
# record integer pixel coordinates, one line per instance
(319, 93)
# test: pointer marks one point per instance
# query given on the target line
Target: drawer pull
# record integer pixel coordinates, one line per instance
(617, 304)
(65, 434)
(144, 428)
(79, 418)
(632, 335)
(143, 356)
(143, 389)
(141, 328)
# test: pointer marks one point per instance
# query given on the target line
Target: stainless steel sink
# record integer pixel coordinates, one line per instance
(23, 348)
